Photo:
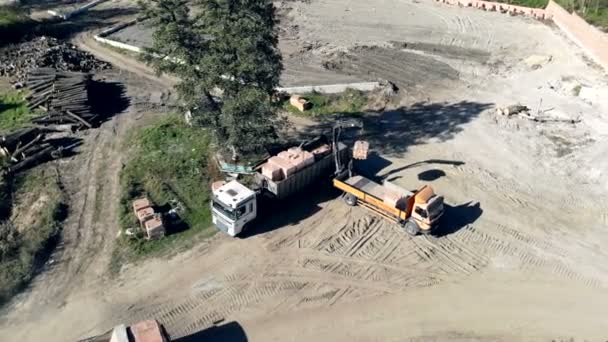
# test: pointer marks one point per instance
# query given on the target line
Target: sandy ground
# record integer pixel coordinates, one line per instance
(520, 255)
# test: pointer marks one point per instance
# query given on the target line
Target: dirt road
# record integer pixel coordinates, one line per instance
(520, 255)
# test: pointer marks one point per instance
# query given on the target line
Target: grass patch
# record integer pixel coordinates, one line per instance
(169, 163)
(13, 111)
(26, 241)
(351, 101)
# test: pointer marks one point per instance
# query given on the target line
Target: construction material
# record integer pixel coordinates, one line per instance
(300, 103)
(361, 150)
(144, 331)
(394, 199)
(217, 185)
(63, 95)
(524, 112)
(150, 221)
(16, 61)
(154, 228)
(145, 214)
(25, 148)
(297, 157)
(272, 172)
(286, 167)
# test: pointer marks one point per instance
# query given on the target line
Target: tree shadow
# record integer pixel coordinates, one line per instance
(292, 210)
(458, 217)
(393, 131)
(229, 332)
(7, 106)
(431, 175)
(423, 162)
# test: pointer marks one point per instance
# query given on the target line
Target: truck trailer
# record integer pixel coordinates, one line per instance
(234, 205)
(416, 211)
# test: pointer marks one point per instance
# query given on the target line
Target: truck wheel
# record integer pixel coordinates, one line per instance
(411, 228)
(350, 199)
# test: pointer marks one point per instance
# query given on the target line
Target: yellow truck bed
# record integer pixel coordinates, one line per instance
(370, 194)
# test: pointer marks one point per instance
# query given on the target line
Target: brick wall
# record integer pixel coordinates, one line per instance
(538, 13)
(591, 39)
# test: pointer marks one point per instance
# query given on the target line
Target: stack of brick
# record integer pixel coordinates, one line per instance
(287, 169)
(287, 163)
(154, 227)
(300, 103)
(272, 171)
(395, 196)
(298, 157)
(361, 150)
(393, 199)
(151, 223)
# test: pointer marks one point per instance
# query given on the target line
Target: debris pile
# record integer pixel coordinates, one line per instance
(524, 112)
(63, 95)
(17, 60)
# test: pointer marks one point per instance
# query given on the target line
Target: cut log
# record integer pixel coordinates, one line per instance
(32, 160)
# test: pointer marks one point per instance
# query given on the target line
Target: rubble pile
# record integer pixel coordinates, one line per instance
(17, 60)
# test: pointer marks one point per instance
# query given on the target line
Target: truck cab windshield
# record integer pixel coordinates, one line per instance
(226, 211)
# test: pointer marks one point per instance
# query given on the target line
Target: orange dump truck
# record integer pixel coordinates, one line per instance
(416, 211)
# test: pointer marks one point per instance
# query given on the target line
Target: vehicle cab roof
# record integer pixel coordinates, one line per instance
(233, 193)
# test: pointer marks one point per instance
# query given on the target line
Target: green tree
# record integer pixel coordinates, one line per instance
(226, 48)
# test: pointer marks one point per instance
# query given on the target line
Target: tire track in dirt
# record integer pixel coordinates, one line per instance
(533, 253)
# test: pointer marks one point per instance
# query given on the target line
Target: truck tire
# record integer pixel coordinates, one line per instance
(411, 228)
(350, 199)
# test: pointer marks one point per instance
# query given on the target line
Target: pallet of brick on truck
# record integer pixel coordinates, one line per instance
(272, 172)
(287, 168)
(300, 158)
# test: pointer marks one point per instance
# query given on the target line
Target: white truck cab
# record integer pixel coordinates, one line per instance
(233, 206)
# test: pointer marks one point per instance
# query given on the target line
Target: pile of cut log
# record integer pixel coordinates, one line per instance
(524, 112)
(62, 95)
(26, 147)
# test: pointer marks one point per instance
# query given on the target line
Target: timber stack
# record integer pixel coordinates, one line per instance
(27, 147)
(62, 95)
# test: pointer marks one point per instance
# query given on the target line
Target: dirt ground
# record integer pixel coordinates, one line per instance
(520, 254)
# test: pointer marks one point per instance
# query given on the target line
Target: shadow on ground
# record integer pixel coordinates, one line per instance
(458, 217)
(107, 99)
(292, 210)
(393, 131)
(229, 332)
